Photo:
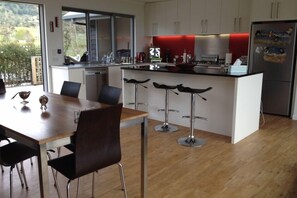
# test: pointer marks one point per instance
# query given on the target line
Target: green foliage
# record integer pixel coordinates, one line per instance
(15, 62)
(19, 40)
(18, 15)
(74, 38)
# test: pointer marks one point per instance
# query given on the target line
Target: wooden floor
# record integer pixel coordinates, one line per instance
(263, 165)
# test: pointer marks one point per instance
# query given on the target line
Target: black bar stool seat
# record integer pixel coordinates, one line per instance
(166, 127)
(191, 141)
(136, 83)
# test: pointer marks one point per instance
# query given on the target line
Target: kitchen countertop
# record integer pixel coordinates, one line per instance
(98, 65)
(199, 70)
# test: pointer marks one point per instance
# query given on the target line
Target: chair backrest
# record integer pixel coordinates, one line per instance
(109, 95)
(97, 139)
(2, 87)
(70, 89)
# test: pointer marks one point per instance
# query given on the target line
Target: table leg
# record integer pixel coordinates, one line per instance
(144, 125)
(43, 172)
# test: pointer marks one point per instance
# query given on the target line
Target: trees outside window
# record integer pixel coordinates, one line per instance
(20, 48)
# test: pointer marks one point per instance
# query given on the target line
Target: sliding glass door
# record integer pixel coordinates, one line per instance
(21, 61)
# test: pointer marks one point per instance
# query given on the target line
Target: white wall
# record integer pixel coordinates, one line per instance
(53, 8)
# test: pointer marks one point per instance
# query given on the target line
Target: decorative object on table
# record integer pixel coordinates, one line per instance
(43, 101)
(24, 95)
(2, 87)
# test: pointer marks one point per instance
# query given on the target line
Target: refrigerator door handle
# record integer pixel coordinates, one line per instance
(277, 8)
(271, 10)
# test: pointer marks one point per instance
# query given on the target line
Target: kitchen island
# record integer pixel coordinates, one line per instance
(232, 107)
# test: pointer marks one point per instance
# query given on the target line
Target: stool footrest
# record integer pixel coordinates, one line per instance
(132, 103)
(171, 110)
(196, 117)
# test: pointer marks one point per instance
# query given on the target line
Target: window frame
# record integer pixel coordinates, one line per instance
(112, 22)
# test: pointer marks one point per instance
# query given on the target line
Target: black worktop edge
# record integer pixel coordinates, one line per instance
(193, 72)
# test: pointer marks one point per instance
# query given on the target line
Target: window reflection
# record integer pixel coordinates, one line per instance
(97, 37)
(75, 35)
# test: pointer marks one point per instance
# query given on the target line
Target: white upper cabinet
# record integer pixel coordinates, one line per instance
(263, 10)
(160, 18)
(205, 16)
(235, 16)
(167, 17)
(182, 23)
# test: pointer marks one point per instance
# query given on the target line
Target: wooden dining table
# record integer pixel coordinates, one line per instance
(47, 129)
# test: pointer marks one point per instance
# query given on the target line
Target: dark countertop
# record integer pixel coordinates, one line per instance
(211, 71)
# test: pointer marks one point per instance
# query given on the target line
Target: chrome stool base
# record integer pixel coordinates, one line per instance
(165, 128)
(191, 141)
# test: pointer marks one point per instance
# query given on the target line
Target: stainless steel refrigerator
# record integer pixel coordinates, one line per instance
(272, 50)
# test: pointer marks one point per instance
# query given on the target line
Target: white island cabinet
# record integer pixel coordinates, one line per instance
(63, 73)
(232, 107)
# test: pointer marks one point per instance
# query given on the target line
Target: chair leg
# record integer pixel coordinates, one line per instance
(11, 181)
(56, 174)
(122, 179)
(68, 188)
(93, 184)
(20, 176)
(24, 176)
(77, 188)
(56, 184)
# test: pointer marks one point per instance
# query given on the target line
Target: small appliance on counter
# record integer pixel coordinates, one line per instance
(155, 54)
(140, 57)
(208, 59)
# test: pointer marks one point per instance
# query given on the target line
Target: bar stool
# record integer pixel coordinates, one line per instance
(136, 83)
(191, 141)
(166, 127)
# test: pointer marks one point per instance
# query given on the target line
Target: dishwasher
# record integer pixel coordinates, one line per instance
(95, 78)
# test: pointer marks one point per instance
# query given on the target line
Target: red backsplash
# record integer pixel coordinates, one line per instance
(176, 45)
(238, 45)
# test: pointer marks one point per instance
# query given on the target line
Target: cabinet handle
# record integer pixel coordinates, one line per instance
(206, 25)
(176, 27)
(277, 7)
(271, 9)
(155, 28)
(202, 26)
(234, 24)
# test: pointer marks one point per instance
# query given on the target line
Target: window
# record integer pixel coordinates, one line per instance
(21, 61)
(97, 37)
(75, 34)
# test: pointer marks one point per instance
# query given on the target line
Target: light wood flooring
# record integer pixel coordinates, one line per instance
(264, 165)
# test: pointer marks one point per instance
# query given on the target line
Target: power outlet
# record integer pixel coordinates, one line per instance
(59, 51)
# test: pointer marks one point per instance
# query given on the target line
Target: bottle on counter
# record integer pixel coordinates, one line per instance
(185, 56)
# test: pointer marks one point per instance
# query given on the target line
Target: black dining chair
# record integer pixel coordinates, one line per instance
(97, 145)
(109, 95)
(13, 153)
(70, 88)
(3, 138)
